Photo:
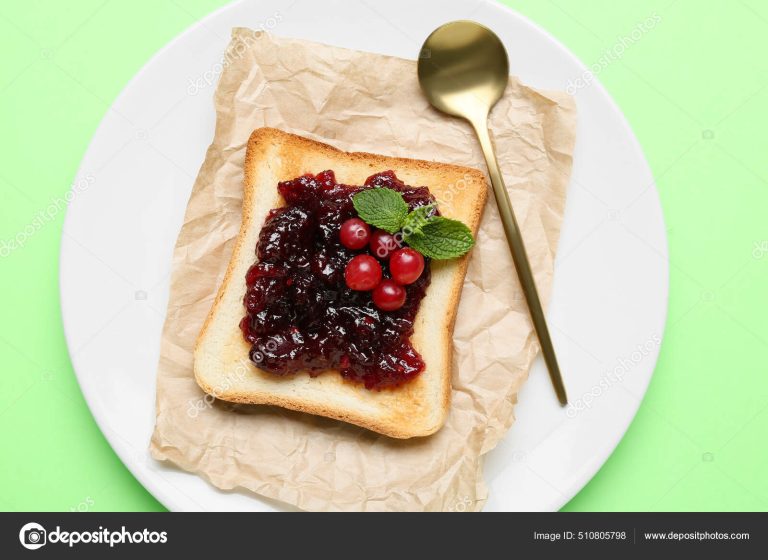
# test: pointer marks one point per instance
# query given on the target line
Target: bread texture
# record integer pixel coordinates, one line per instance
(221, 364)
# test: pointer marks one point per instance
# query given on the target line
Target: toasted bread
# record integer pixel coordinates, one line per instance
(221, 364)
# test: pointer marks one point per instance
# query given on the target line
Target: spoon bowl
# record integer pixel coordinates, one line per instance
(463, 68)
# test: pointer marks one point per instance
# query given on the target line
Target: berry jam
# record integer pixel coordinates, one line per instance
(300, 314)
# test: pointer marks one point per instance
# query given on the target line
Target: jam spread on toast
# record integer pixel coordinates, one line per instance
(302, 314)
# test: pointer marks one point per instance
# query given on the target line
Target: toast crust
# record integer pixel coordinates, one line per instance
(419, 407)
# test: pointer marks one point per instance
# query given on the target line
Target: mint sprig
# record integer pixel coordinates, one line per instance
(433, 236)
(381, 207)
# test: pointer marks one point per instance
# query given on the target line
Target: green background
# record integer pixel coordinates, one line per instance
(694, 89)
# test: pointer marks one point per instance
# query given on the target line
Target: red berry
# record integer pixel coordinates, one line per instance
(354, 233)
(363, 273)
(406, 265)
(383, 243)
(389, 296)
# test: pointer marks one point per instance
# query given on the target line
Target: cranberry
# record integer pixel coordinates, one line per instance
(363, 273)
(383, 243)
(389, 295)
(406, 265)
(354, 234)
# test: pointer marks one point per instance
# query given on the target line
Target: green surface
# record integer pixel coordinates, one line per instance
(694, 90)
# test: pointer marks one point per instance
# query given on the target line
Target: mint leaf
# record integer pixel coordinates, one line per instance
(442, 238)
(382, 208)
(417, 219)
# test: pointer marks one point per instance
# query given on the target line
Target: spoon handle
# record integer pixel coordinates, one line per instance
(519, 255)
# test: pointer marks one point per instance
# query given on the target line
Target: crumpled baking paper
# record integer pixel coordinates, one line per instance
(361, 102)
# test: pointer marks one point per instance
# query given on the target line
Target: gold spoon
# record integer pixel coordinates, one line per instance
(463, 70)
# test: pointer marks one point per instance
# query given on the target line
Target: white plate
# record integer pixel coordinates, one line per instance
(610, 293)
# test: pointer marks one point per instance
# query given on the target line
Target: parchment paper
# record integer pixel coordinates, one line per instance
(363, 102)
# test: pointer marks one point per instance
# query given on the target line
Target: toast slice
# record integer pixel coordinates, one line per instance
(221, 364)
